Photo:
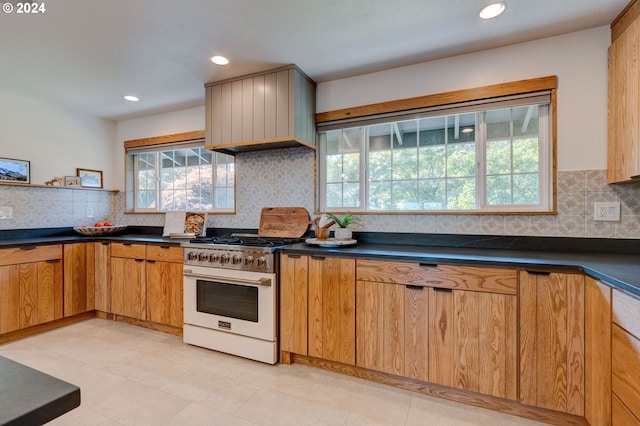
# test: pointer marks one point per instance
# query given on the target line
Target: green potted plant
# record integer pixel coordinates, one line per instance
(344, 231)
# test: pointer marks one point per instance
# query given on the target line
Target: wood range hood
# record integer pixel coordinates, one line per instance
(267, 110)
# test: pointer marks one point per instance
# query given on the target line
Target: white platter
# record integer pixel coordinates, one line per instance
(330, 242)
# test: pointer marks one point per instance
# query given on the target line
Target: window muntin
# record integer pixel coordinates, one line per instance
(494, 159)
(181, 177)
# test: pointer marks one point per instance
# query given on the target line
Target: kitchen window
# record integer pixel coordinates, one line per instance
(493, 155)
(178, 176)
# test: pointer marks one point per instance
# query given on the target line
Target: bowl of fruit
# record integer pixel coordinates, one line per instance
(99, 228)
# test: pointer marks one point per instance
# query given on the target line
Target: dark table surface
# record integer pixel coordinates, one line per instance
(30, 397)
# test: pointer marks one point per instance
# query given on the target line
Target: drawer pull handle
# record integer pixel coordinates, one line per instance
(293, 256)
(151, 261)
(414, 287)
(126, 244)
(53, 261)
(539, 272)
(104, 243)
(428, 265)
(165, 247)
(27, 247)
(635, 177)
(139, 260)
(318, 257)
(442, 289)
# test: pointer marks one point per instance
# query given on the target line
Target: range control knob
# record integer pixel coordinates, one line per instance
(192, 255)
(213, 257)
(248, 260)
(262, 261)
(224, 258)
(236, 259)
(202, 257)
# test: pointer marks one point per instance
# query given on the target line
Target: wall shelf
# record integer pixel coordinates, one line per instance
(33, 185)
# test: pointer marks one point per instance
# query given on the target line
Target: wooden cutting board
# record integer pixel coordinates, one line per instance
(283, 222)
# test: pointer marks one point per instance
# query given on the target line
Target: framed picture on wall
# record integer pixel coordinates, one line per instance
(71, 181)
(18, 171)
(90, 178)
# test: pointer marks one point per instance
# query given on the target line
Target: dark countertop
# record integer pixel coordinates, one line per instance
(30, 397)
(617, 270)
(614, 261)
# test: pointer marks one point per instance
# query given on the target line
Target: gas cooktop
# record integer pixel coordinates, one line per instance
(246, 240)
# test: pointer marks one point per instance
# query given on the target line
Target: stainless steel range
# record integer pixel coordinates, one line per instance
(230, 288)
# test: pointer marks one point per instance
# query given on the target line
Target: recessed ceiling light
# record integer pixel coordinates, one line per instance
(493, 9)
(132, 98)
(219, 60)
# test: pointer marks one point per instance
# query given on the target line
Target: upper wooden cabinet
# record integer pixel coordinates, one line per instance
(273, 109)
(624, 97)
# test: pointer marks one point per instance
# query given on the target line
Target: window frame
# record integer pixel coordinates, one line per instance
(369, 114)
(158, 144)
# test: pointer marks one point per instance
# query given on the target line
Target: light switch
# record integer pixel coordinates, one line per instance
(609, 211)
(6, 212)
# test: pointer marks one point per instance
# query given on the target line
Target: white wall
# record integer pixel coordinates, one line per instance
(578, 59)
(186, 120)
(55, 140)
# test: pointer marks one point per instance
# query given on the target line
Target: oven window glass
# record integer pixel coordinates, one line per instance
(227, 300)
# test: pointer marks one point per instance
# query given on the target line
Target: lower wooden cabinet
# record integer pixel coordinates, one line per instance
(625, 362)
(146, 282)
(163, 277)
(79, 278)
(465, 339)
(31, 286)
(552, 339)
(128, 289)
(102, 282)
(294, 290)
(332, 309)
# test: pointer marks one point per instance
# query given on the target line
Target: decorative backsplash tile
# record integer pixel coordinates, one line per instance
(285, 177)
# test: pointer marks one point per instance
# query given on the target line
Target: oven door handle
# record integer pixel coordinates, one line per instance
(266, 282)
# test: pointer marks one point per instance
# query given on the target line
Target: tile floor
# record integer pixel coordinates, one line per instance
(133, 376)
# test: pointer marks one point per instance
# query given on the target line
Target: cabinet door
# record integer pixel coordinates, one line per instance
(473, 341)
(552, 339)
(392, 328)
(128, 293)
(50, 290)
(624, 105)
(9, 298)
(102, 284)
(294, 281)
(625, 350)
(164, 292)
(79, 276)
(332, 318)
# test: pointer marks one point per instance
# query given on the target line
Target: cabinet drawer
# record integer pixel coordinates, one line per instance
(626, 312)
(474, 278)
(164, 253)
(625, 365)
(133, 251)
(30, 253)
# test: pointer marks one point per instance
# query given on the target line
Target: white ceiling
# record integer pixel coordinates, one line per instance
(85, 55)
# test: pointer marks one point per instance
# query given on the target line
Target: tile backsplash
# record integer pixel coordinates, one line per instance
(286, 178)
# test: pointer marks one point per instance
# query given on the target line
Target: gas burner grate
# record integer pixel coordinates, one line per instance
(248, 241)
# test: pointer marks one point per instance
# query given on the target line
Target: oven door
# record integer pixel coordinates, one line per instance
(238, 302)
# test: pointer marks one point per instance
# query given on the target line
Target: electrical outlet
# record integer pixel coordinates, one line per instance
(609, 211)
(6, 212)
(89, 211)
